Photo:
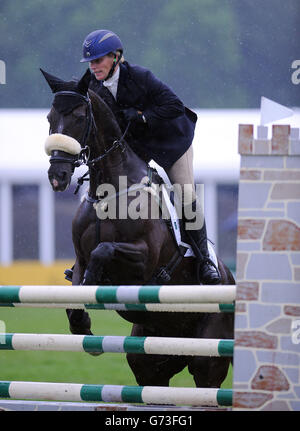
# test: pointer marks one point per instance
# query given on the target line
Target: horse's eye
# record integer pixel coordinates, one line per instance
(49, 117)
(79, 117)
(79, 112)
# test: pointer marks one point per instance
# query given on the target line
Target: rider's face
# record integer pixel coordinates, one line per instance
(101, 66)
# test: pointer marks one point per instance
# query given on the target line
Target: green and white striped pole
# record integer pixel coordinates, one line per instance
(118, 294)
(170, 308)
(118, 344)
(112, 393)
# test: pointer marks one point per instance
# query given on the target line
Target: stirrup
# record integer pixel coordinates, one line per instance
(68, 274)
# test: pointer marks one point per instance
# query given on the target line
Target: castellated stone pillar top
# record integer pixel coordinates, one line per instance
(267, 319)
(284, 141)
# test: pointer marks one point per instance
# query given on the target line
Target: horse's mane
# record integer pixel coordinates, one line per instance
(104, 115)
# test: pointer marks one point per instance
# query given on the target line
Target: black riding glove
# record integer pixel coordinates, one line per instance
(132, 114)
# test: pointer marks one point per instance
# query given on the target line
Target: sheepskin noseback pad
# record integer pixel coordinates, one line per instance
(58, 141)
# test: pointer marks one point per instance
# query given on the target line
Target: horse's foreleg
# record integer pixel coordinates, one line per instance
(100, 256)
(153, 370)
(122, 261)
(211, 372)
(78, 272)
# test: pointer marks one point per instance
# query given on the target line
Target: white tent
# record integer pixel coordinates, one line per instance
(23, 132)
(23, 160)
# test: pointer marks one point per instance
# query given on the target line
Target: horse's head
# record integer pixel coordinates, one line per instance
(70, 120)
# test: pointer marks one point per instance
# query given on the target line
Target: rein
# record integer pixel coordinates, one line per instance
(117, 143)
(90, 163)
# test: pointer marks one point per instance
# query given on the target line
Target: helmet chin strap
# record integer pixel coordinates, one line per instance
(111, 72)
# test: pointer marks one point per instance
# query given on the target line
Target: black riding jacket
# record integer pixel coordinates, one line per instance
(170, 126)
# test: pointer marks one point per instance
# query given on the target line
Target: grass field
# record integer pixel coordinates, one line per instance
(71, 367)
(68, 367)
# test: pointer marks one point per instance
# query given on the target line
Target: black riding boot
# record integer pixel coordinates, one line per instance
(209, 274)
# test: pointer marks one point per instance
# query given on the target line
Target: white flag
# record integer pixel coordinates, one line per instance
(272, 111)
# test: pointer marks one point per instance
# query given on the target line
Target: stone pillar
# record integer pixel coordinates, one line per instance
(267, 320)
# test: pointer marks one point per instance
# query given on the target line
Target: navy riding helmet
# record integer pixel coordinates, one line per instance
(99, 43)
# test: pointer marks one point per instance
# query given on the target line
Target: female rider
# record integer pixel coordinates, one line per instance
(161, 128)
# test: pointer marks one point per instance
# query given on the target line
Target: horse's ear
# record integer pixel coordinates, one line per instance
(55, 83)
(84, 82)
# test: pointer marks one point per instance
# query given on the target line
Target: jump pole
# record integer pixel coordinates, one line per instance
(118, 294)
(169, 308)
(114, 393)
(118, 344)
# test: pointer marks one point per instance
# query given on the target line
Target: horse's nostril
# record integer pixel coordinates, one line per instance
(54, 183)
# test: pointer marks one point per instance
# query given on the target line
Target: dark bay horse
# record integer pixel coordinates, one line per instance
(125, 250)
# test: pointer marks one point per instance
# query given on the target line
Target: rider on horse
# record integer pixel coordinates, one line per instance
(161, 127)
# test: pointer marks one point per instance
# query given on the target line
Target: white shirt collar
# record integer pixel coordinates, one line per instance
(112, 82)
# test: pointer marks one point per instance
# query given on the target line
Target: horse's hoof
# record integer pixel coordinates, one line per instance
(89, 332)
(95, 353)
(84, 331)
